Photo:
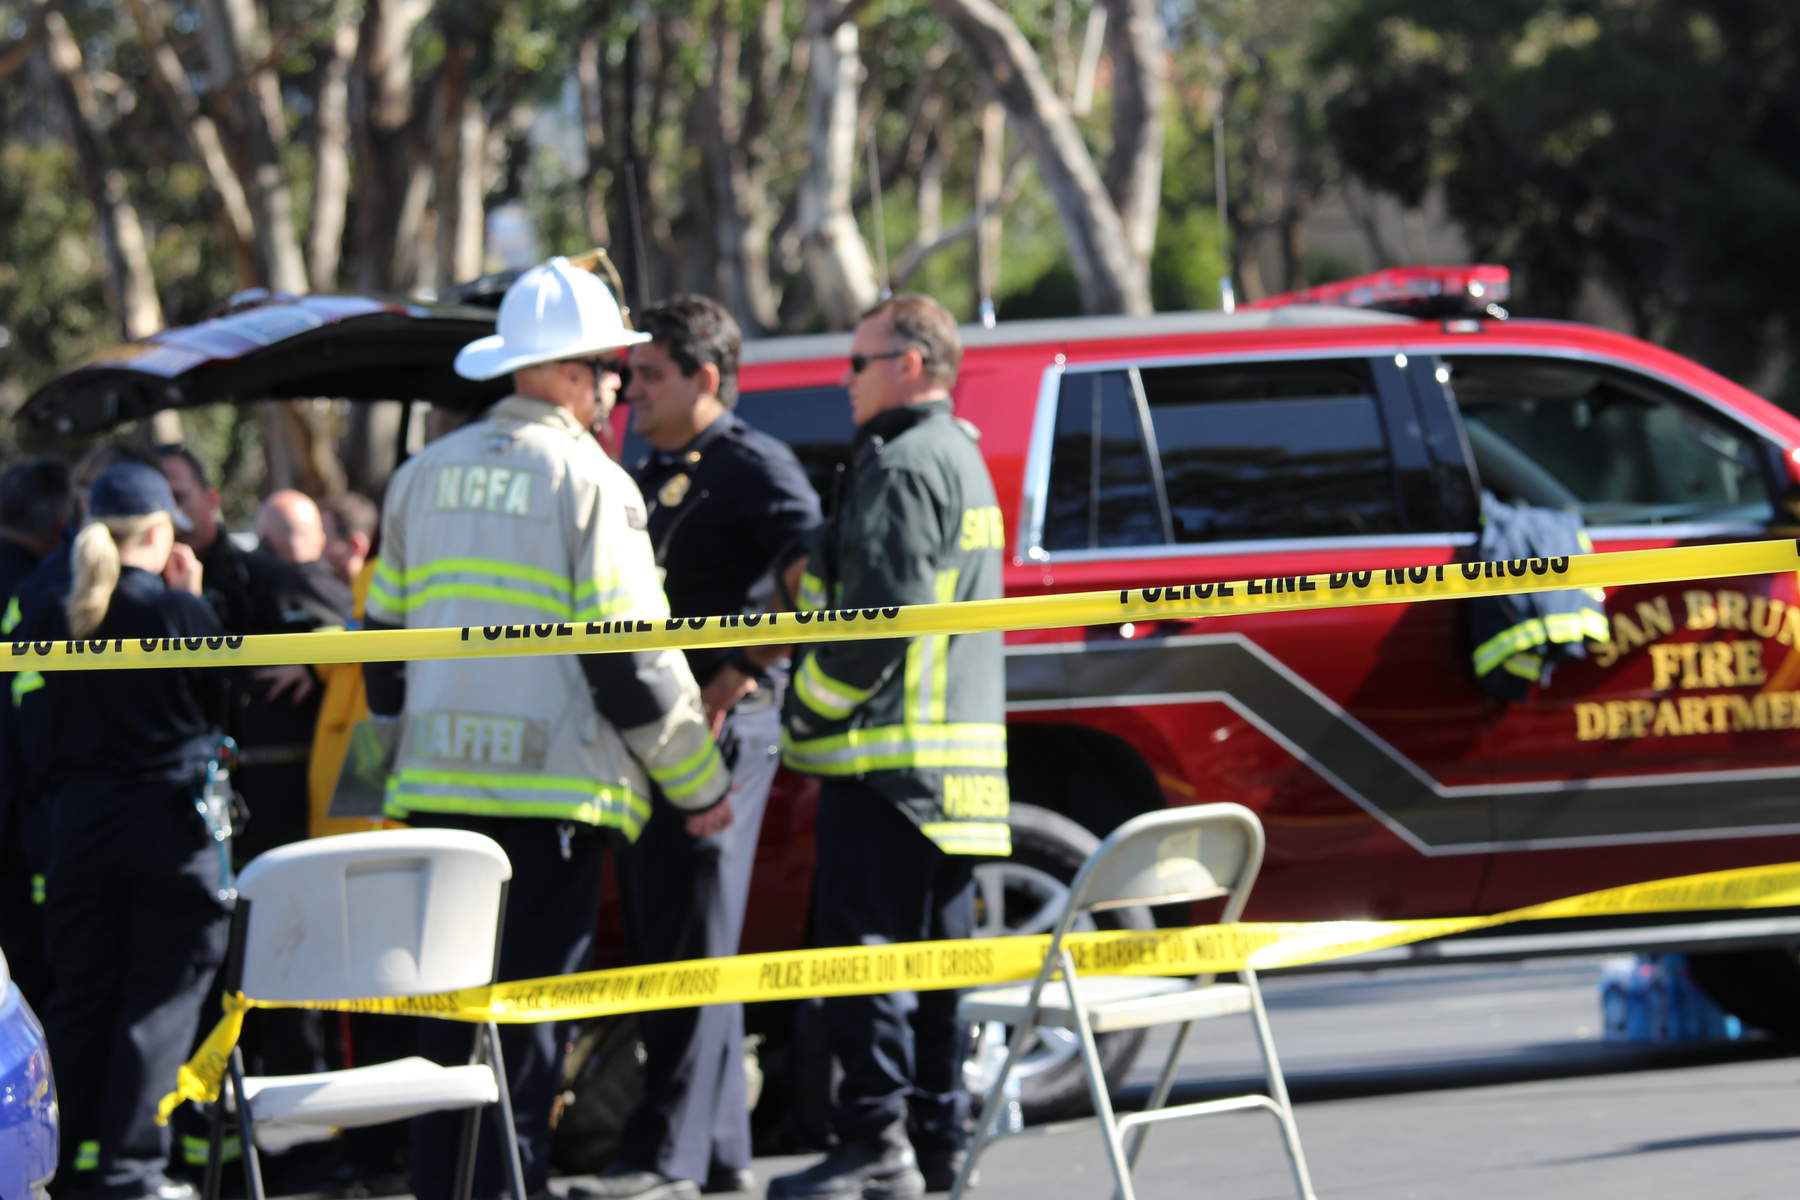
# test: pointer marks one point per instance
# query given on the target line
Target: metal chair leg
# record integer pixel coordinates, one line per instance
(1290, 1132)
(1159, 1095)
(509, 1132)
(468, 1144)
(1096, 1077)
(253, 1180)
(215, 1151)
(996, 1097)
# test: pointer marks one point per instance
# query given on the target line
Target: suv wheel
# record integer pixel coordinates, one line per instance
(1023, 895)
(1761, 987)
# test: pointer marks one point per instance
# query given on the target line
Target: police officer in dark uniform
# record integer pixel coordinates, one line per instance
(270, 713)
(908, 737)
(254, 591)
(729, 512)
(28, 768)
(37, 503)
(135, 924)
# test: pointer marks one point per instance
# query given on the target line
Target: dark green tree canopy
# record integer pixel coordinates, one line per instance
(1649, 146)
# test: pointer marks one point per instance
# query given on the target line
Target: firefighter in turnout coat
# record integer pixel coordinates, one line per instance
(521, 518)
(908, 738)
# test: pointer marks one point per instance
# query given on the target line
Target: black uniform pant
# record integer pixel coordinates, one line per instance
(135, 932)
(552, 905)
(685, 897)
(24, 835)
(879, 880)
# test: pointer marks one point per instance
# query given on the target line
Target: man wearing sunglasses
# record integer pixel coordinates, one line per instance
(521, 518)
(907, 736)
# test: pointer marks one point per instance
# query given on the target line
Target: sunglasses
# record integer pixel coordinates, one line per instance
(860, 362)
(604, 365)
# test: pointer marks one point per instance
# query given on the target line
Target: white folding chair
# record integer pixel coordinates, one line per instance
(1179, 855)
(401, 912)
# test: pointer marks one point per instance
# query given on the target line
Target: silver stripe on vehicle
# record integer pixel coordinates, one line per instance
(1434, 818)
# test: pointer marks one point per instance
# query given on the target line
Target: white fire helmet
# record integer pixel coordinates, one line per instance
(551, 312)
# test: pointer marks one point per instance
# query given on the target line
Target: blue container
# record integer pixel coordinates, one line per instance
(1652, 999)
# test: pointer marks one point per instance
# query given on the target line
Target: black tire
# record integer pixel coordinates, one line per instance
(1057, 846)
(1761, 988)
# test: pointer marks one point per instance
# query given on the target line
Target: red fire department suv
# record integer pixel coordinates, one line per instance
(1350, 428)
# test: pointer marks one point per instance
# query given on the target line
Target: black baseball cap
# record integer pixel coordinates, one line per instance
(131, 489)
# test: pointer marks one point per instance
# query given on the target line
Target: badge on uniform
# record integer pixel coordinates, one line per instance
(674, 492)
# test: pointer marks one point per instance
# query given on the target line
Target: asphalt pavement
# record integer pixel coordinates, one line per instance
(1467, 1082)
(1472, 1082)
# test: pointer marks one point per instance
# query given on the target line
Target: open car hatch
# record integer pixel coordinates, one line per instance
(271, 347)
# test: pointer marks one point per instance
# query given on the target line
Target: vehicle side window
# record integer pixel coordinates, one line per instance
(1101, 491)
(1615, 447)
(1254, 451)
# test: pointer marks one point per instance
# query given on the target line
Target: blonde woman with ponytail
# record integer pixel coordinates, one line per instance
(105, 546)
(133, 925)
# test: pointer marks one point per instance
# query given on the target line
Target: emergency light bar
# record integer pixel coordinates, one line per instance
(1470, 291)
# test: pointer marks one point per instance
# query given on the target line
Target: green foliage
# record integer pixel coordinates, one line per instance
(1189, 257)
(52, 302)
(1188, 261)
(1649, 145)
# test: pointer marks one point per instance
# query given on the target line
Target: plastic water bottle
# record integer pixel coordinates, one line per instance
(1011, 1117)
(989, 1058)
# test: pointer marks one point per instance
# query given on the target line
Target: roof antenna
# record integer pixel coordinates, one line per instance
(1227, 297)
(881, 253)
(985, 306)
(634, 210)
(640, 266)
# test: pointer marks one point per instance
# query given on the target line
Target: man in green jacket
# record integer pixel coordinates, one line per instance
(908, 738)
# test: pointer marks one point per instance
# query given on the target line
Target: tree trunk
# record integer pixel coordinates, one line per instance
(297, 445)
(649, 107)
(391, 179)
(129, 279)
(593, 139)
(200, 132)
(459, 165)
(1087, 67)
(1140, 55)
(391, 186)
(370, 447)
(239, 41)
(1112, 277)
(18, 54)
(331, 164)
(733, 144)
(989, 176)
(837, 259)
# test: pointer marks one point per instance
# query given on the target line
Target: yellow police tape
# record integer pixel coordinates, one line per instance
(926, 966)
(1176, 602)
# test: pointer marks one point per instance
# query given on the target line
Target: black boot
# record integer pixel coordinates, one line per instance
(875, 1168)
(939, 1168)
